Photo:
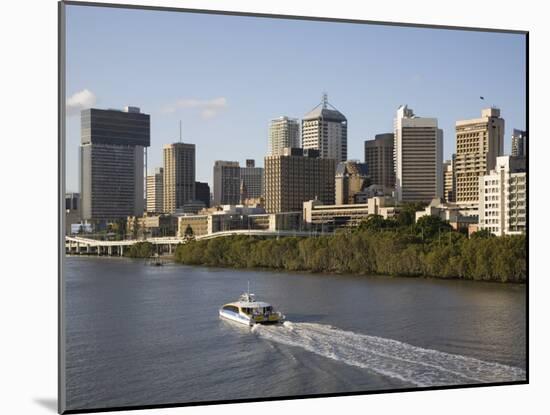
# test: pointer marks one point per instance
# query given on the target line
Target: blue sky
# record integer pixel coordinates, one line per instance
(225, 77)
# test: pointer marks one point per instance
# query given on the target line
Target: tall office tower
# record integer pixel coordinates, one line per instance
(449, 183)
(296, 176)
(283, 132)
(503, 198)
(519, 143)
(112, 162)
(326, 130)
(155, 191)
(351, 178)
(227, 183)
(202, 193)
(379, 160)
(418, 157)
(253, 179)
(478, 144)
(179, 175)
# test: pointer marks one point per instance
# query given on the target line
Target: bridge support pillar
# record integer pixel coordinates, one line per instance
(121, 251)
(170, 249)
(88, 249)
(110, 250)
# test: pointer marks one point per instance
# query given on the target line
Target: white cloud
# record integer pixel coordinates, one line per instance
(208, 108)
(80, 100)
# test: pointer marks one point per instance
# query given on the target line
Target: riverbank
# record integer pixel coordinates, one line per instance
(363, 252)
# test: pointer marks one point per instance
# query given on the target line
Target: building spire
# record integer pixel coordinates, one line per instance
(325, 100)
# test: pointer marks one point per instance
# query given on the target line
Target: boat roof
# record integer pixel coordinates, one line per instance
(250, 304)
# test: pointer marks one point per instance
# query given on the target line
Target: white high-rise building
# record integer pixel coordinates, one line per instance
(155, 191)
(326, 130)
(503, 197)
(283, 132)
(418, 157)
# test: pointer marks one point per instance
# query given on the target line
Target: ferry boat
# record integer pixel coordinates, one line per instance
(247, 310)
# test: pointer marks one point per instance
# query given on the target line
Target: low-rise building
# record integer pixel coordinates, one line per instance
(238, 218)
(152, 226)
(330, 217)
(197, 223)
(460, 218)
(192, 206)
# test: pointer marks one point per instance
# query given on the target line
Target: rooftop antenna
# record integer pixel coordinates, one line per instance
(180, 131)
(325, 100)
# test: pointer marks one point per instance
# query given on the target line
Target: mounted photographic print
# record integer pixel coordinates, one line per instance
(260, 207)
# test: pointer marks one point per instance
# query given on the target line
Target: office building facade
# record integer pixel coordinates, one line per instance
(519, 143)
(449, 183)
(326, 130)
(112, 158)
(283, 132)
(155, 191)
(179, 175)
(227, 183)
(379, 160)
(202, 193)
(351, 178)
(418, 157)
(252, 178)
(296, 176)
(479, 142)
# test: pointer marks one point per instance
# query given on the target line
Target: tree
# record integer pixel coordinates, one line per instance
(189, 234)
(431, 226)
(407, 212)
(482, 234)
(373, 223)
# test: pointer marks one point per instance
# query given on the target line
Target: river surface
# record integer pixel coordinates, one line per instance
(142, 335)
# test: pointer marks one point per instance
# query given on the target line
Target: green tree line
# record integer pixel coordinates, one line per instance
(140, 250)
(429, 248)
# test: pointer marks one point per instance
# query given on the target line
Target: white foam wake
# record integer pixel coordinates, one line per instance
(411, 364)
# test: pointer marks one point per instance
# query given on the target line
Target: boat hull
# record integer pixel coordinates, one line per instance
(236, 317)
(239, 318)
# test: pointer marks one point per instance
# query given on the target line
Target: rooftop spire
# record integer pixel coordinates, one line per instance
(325, 100)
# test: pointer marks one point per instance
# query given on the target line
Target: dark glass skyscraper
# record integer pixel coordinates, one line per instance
(112, 162)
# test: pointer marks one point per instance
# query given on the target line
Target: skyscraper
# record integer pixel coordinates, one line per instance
(283, 132)
(418, 154)
(112, 162)
(253, 177)
(179, 175)
(227, 182)
(351, 178)
(379, 160)
(326, 129)
(503, 197)
(519, 143)
(297, 176)
(155, 191)
(479, 142)
(202, 193)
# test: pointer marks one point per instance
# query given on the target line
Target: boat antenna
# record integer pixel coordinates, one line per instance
(248, 290)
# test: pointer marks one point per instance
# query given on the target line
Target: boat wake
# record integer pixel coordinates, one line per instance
(411, 364)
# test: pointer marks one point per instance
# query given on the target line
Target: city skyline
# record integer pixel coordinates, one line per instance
(225, 91)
